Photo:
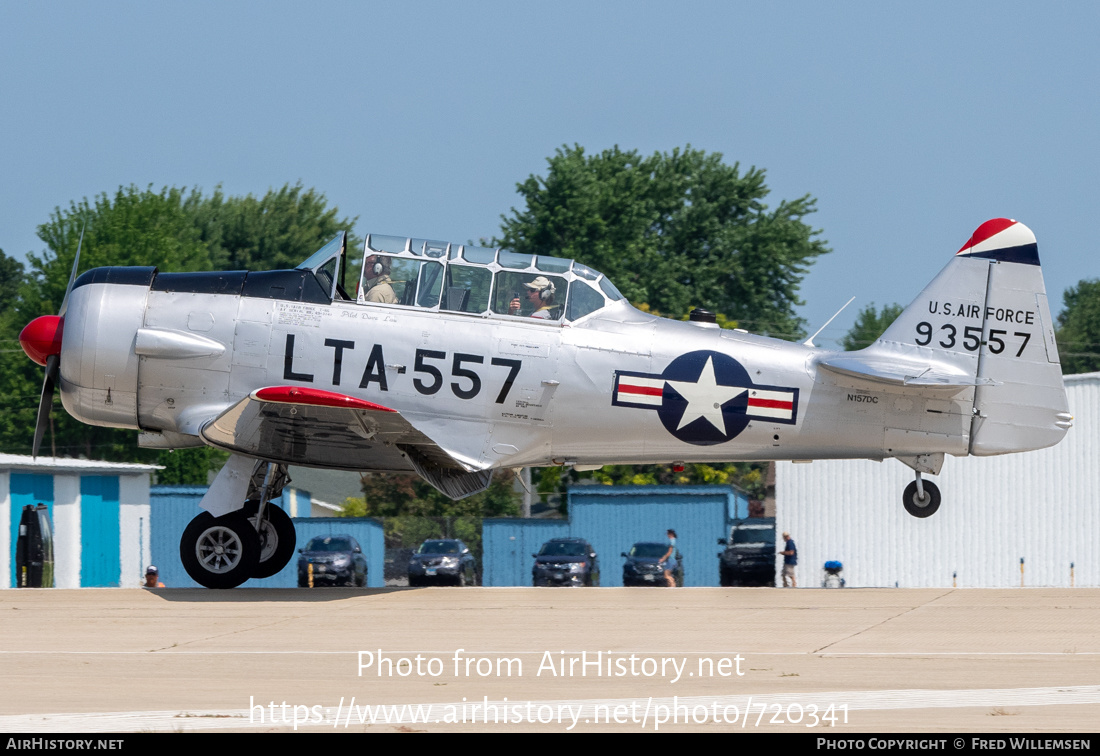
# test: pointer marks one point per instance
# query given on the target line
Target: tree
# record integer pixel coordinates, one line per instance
(415, 511)
(11, 278)
(1078, 331)
(869, 325)
(174, 229)
(272, 232)
(674, 231)
(131, 227)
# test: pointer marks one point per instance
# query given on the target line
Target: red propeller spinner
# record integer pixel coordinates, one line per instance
(42, 337)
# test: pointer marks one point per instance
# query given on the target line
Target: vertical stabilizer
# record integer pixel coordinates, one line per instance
(1021, 404)
(986, 316)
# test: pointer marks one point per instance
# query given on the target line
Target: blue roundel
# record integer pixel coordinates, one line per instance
(705, 398)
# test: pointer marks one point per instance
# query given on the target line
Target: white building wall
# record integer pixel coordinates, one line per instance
(66, 531)
(1040, 506)
(133, 523)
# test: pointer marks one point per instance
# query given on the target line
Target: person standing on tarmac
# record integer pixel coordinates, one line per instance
(668, 561)
(790, 559)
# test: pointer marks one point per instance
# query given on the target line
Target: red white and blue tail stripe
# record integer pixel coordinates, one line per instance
(1004, 240)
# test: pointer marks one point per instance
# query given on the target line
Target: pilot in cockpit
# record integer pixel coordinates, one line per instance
(376, 276)
(540, 293)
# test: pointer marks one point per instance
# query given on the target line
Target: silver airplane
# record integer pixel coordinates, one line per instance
(452, 361)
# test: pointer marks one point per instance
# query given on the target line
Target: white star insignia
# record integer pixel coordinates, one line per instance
(705, 398)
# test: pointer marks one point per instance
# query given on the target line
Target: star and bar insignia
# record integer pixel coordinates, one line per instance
(705, 397)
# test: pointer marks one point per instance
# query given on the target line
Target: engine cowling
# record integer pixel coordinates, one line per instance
(99, 368)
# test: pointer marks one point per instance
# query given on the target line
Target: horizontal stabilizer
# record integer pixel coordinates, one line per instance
(896, 373)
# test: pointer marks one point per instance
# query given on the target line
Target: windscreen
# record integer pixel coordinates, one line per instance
(562, 548)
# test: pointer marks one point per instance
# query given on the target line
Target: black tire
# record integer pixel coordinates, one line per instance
(220, 552)
(277, 538)
(917, 507)
(414, 582)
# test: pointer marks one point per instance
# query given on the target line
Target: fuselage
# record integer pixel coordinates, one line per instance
(618, 386)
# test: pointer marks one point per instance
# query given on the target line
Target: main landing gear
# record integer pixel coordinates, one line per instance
(921, 498)
(255, 541)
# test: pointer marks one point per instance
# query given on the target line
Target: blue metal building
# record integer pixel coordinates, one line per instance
(612, 519)
(100, 515)
(172, 507)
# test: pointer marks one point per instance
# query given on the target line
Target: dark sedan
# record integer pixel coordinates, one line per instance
(565, 561)
(643, 565)
(331, 560)
(442, 561)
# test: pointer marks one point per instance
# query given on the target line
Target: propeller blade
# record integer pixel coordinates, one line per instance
(72, 275)
(45, 403)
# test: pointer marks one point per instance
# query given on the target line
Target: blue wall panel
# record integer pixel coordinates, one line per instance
(366, 531)
(32, 489)
(612, 519)
(173, 507)
(100, 563)
(507, 546)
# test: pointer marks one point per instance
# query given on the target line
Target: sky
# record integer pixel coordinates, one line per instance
(910, 124)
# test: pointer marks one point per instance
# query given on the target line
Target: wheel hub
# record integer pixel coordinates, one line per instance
(218, 549)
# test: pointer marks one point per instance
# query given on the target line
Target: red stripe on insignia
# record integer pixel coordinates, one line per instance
(315, 397)
(986, 230)
(644, 390)
(771, 403)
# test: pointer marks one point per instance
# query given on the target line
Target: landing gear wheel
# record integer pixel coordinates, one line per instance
(277, 538)
(917, 506)
(220, 552)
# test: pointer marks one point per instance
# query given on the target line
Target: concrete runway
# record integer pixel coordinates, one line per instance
(852, 660)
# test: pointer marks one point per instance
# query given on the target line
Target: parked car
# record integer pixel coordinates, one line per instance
(335, 559)
(565, 561)
(749, 558)
(442, 561)
(643, 565)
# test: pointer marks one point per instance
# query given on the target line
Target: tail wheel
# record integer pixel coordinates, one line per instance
(277, 538)
(917, 506)
(220, 552)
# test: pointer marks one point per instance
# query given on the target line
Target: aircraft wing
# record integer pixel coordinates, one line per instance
(315, 428)
(902, 373)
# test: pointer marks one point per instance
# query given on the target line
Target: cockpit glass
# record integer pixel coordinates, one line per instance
(583, 300)
(480, 255)
(403, 280)
(585, 272)
(514, 260)
(428, 248)
(553, 264)
(318, 258)
(476, 280)
(430, 284)
(384, 243)
(610, 290)
(467, 288)
(529, 295)
(326, 274)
